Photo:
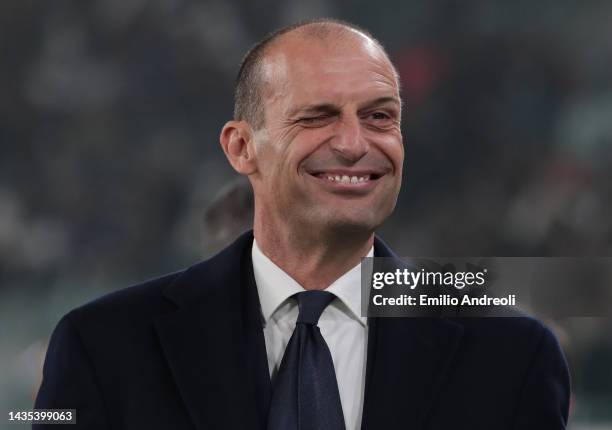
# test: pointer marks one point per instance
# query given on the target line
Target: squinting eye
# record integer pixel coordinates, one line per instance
(314, 120)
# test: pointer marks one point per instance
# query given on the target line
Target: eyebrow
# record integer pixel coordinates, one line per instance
(330, 108)
(315, 108)
(381, 101)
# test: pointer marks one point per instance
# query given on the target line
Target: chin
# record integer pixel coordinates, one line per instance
(345, 219)
(355, 224)
(353, 229)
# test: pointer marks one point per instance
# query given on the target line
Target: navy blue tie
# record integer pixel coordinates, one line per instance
(305, 394)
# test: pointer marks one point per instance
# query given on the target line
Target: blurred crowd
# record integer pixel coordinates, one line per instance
(110, 111)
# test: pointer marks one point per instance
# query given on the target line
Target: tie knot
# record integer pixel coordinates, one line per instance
(311, 305)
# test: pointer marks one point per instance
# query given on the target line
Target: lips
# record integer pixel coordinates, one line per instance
(347, 179)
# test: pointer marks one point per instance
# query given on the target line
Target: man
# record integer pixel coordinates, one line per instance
(235, 342)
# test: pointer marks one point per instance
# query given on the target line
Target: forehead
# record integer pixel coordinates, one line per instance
(327, 70)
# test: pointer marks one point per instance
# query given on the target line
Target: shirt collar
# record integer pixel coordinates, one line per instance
(275, 286)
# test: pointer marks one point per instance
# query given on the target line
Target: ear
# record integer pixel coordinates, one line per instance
(237, 142)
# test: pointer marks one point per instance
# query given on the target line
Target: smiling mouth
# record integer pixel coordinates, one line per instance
(347, 179)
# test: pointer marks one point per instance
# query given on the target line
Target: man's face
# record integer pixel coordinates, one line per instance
(331, 152)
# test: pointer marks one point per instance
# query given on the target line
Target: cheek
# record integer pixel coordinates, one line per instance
(281, 169)
(270, 159)
(393, 148)
(399, 156)
(304, 145)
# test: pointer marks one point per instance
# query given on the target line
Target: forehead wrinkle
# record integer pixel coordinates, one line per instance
(353, 87)
(333, 101)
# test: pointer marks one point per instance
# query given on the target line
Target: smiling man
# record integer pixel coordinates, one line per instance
(268, 334)
(320, 141)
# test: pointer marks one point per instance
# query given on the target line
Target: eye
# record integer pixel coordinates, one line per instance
(380, 120)
(378, 116)
(315, 121)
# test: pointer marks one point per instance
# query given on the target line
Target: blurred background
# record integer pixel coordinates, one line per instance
(111, 171)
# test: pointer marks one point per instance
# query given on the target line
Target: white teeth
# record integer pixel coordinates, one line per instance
(345, 179)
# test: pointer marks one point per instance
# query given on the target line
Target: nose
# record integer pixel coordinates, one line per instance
(349, 142)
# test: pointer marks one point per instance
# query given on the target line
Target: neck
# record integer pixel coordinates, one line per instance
(315, 259)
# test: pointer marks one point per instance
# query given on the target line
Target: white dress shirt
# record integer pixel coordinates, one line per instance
(341, 324)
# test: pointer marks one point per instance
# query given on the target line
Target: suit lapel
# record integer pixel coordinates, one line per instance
(407, 362)
(214, 342)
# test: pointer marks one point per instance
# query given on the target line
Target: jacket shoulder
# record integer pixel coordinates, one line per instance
(512, 322)
(512, 343)
(143, 302)
(132, 302)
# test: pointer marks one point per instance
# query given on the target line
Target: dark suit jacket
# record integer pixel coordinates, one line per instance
(186, 351)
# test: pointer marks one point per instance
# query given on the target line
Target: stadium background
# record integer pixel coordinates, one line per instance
(111, 171)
